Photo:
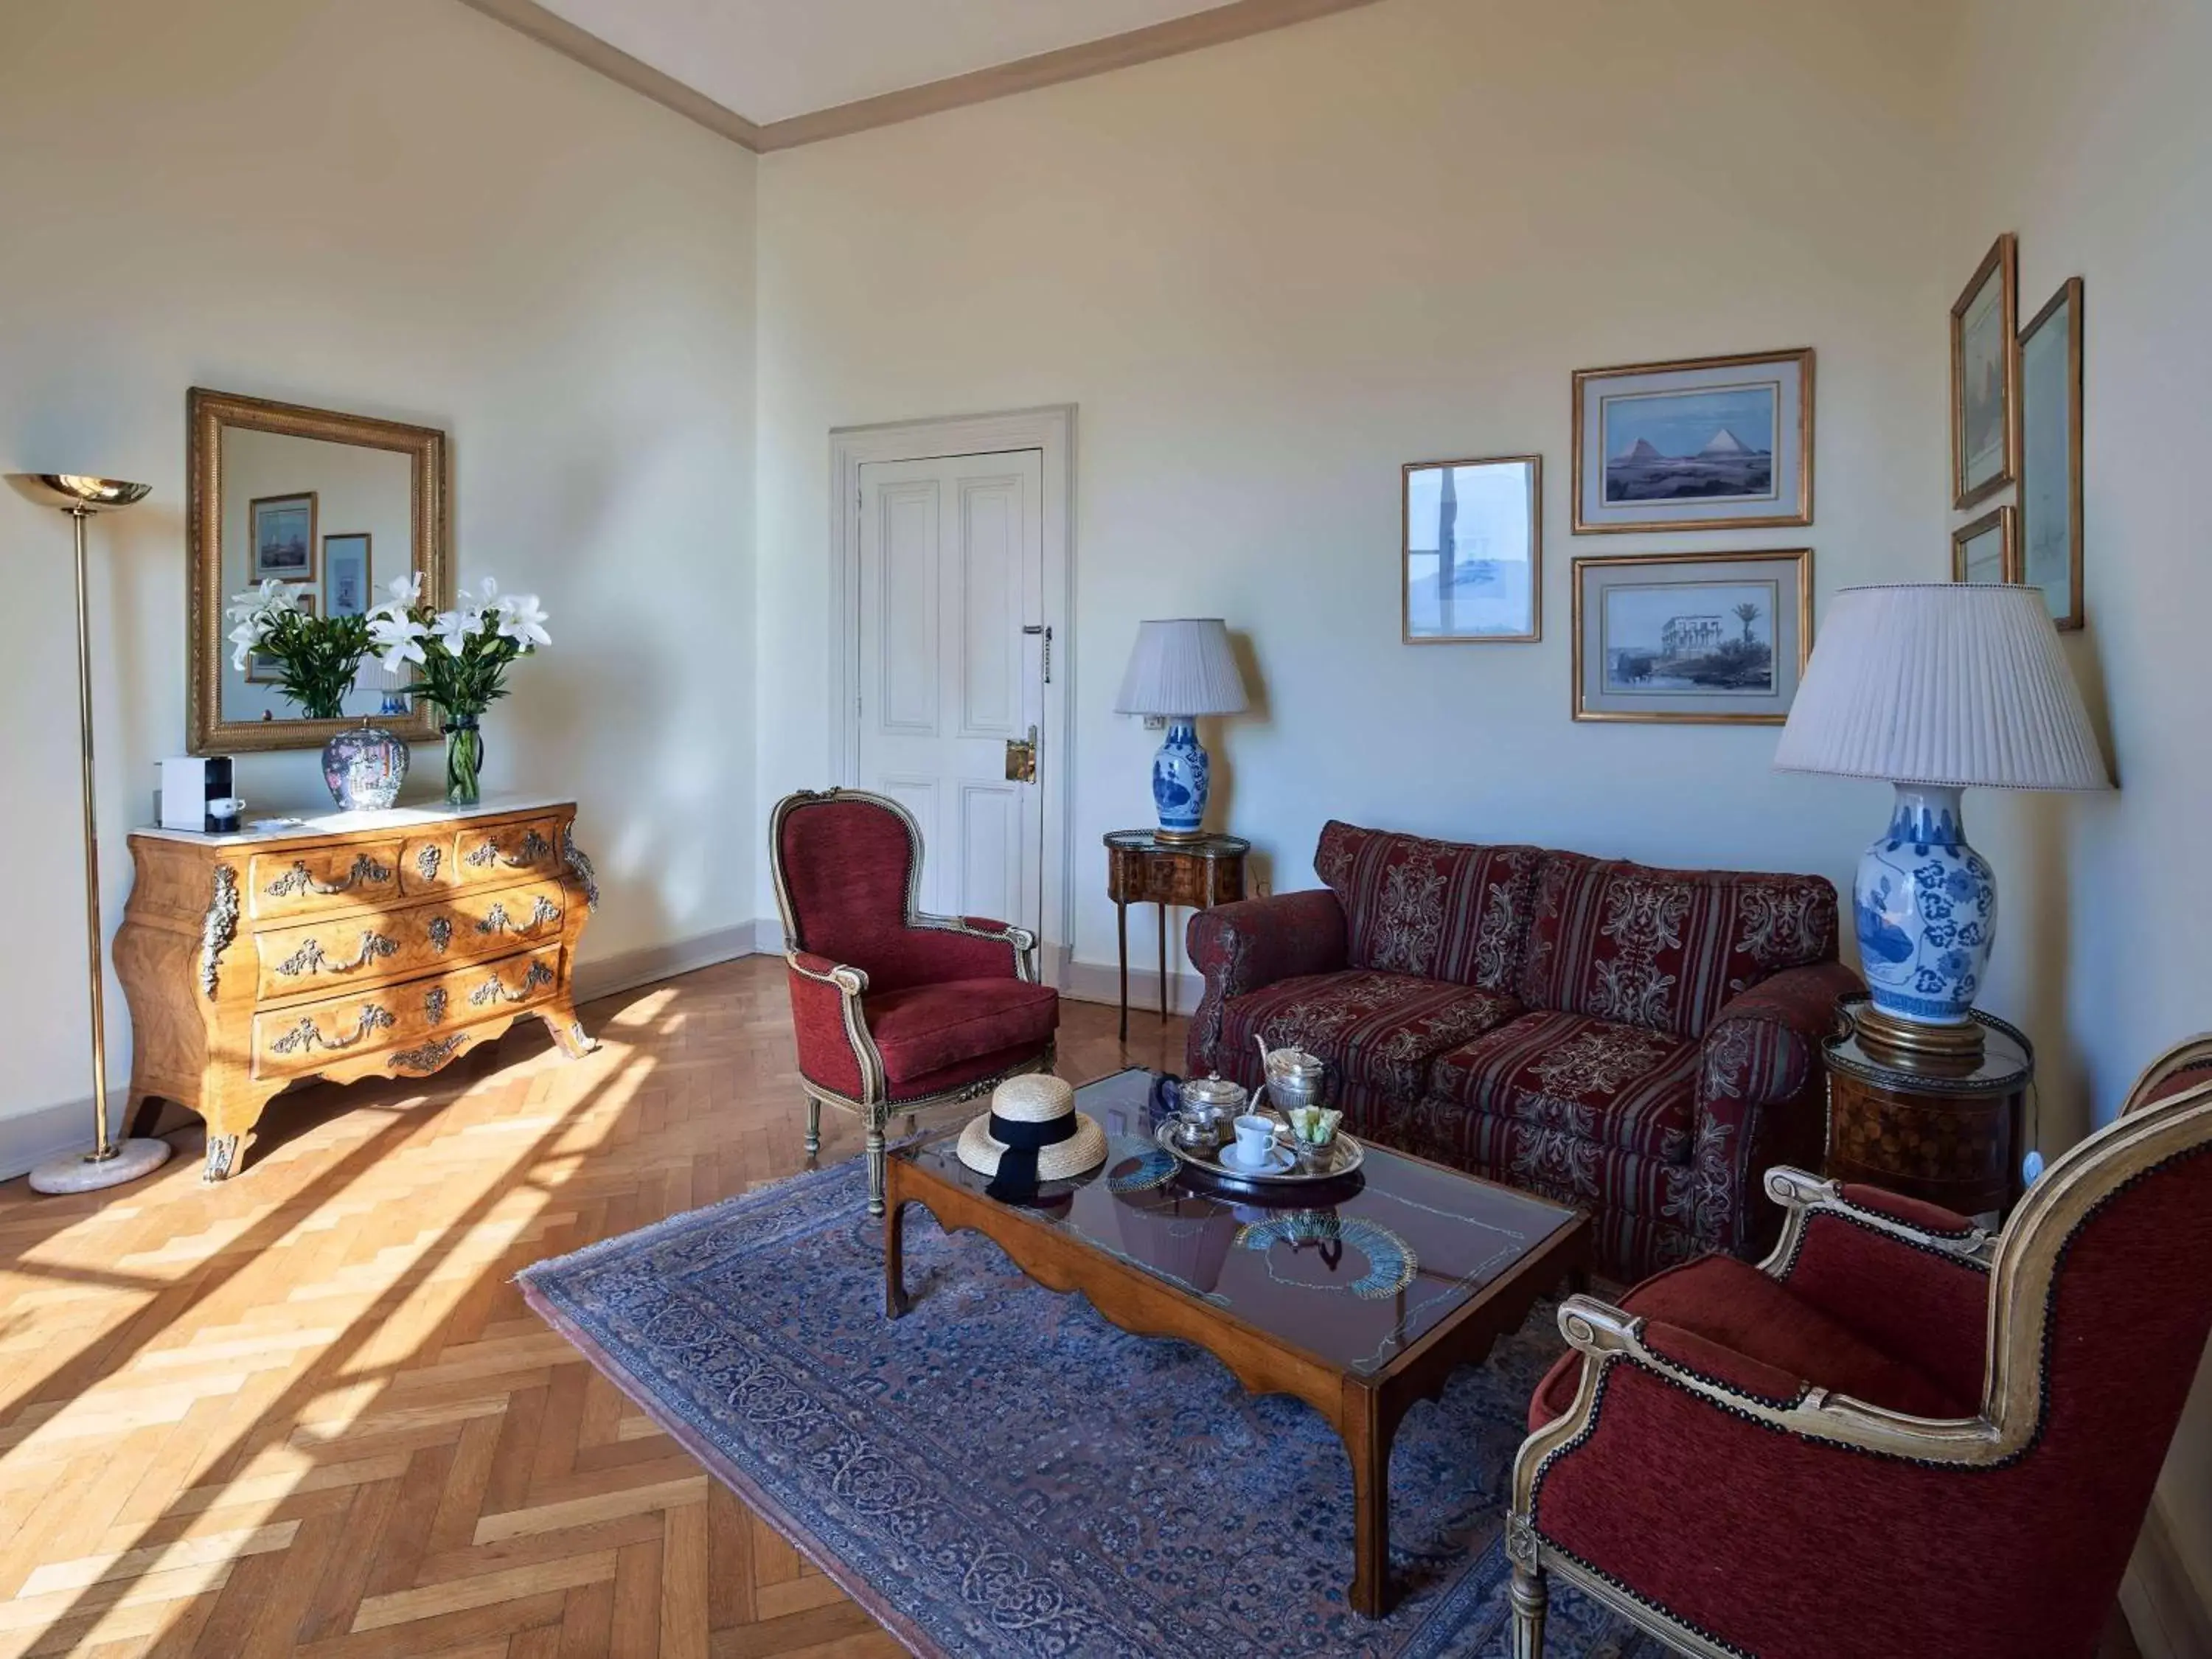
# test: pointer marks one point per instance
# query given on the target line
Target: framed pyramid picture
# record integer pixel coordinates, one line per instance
(1708, 443)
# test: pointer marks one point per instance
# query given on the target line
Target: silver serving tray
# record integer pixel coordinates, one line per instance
(1331, 1163)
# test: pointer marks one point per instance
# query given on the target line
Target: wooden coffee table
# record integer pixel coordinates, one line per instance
(1359, 1299)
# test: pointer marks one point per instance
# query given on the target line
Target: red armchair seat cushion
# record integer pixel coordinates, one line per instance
(1379, 1030)
(1735, 1306)
(1621, 1086)
(927, 1028)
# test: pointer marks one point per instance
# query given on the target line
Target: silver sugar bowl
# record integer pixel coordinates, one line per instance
(1208, 1104)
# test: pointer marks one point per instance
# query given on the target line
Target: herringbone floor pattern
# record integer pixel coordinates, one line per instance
(307, 1412)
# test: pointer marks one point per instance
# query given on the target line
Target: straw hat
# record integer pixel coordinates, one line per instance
(1032, 1133)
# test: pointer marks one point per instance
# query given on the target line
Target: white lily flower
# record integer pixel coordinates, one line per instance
(396, 639)
(520, 619)
(407, 590)
(453, 628)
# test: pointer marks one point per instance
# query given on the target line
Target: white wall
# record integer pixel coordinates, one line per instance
(1271, 273)
(397, 208)
(2086, 130)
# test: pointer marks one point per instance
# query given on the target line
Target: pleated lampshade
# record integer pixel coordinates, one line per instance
(1949, 684)
(1183, 665)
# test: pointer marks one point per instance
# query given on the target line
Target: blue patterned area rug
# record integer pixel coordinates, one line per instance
(1002, 1472)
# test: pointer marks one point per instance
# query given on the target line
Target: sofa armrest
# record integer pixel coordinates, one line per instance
(1240, 947)
(1762, 1095)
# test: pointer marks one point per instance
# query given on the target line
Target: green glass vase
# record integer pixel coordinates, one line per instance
(463, 761)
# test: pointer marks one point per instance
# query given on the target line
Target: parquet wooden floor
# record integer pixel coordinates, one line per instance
(306, 1411)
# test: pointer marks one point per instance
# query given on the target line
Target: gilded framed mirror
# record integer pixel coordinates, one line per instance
(335, 505)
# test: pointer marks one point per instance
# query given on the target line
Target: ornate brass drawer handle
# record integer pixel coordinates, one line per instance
(431, 1055)
(300, 880)
(441, 933)
(310, 958)
(306, 1037)
(535, 849)
(492, 990)
(496, 920)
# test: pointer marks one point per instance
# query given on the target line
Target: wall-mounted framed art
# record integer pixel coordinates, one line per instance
(1471, 559)
(1987, 551)
(2051, 454)
(1711, 638)
(1705, 443)
(347, 582)
(1985, 378)
(283, 529)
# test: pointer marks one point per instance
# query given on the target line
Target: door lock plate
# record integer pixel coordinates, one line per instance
(1021, 759)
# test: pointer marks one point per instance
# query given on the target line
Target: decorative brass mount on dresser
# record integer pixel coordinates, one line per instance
(360, 944)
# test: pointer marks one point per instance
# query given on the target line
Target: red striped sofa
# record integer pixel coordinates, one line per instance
(1642, 1042)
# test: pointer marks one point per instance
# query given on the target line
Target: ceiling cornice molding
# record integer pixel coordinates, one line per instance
(1192, 33)
(1198, 30)
(551, 29)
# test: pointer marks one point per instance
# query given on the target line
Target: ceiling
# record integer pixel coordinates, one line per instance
(768, 60)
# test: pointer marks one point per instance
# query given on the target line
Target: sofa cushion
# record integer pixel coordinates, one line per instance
(1376, 1030)
(1665, 949)
(1438, 909)
(927, 1028)
(1734, 1305)
(1613, 1085)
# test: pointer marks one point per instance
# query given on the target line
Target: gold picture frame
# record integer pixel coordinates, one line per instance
(2005, 522)
(2000, 265)
(2067, 301)
(208, 415)
(290, 504)
(1788, 617)
(1789, 458)
(1532, 467)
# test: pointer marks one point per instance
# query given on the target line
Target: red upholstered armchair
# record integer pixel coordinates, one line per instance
(1896, 1435)
(896, 1011)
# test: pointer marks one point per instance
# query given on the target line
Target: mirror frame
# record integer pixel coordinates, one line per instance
(207, 413)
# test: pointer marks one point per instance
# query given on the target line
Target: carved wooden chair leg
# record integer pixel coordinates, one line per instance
(1531, 1598)
(813, 1126)
(877, 1119)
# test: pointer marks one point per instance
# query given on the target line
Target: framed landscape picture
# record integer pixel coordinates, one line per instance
(345, 574)
(1709, 443)
(2051, 454)
(283, 528)
(1986, 550)
(1985, 378)
(1713, 638)
(1471, 560)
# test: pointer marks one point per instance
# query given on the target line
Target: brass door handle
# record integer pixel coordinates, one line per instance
(1021, 759)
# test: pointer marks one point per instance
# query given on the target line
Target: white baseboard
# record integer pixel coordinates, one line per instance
(1100, 982)
(29, 1139)
(631, 969)
(2167, 1610)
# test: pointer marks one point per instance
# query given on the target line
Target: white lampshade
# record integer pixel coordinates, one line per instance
(1182, 667)
(1948, 685)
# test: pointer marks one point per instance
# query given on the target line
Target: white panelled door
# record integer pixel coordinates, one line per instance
(952, 664)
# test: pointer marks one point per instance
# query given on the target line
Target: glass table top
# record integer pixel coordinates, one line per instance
(1352, 1272)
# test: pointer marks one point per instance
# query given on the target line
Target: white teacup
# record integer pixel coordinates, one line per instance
(1255, 1138)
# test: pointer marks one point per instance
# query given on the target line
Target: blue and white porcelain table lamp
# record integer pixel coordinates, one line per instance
(1935, 688)
(1180, 669)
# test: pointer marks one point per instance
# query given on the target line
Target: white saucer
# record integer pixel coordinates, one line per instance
(1279, 1159)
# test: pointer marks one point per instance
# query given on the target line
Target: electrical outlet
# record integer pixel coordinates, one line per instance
(1156, 722)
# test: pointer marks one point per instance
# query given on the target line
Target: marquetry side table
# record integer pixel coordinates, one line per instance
(1954, 1138)
(1144, 868)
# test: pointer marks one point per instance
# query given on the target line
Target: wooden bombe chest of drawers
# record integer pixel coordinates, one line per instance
(361, 944)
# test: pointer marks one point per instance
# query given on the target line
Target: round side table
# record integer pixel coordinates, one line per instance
(1953, 1138)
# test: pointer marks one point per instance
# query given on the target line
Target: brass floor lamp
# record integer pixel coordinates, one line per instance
(110, 1161)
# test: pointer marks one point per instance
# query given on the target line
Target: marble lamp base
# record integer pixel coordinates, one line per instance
(83, 1174)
